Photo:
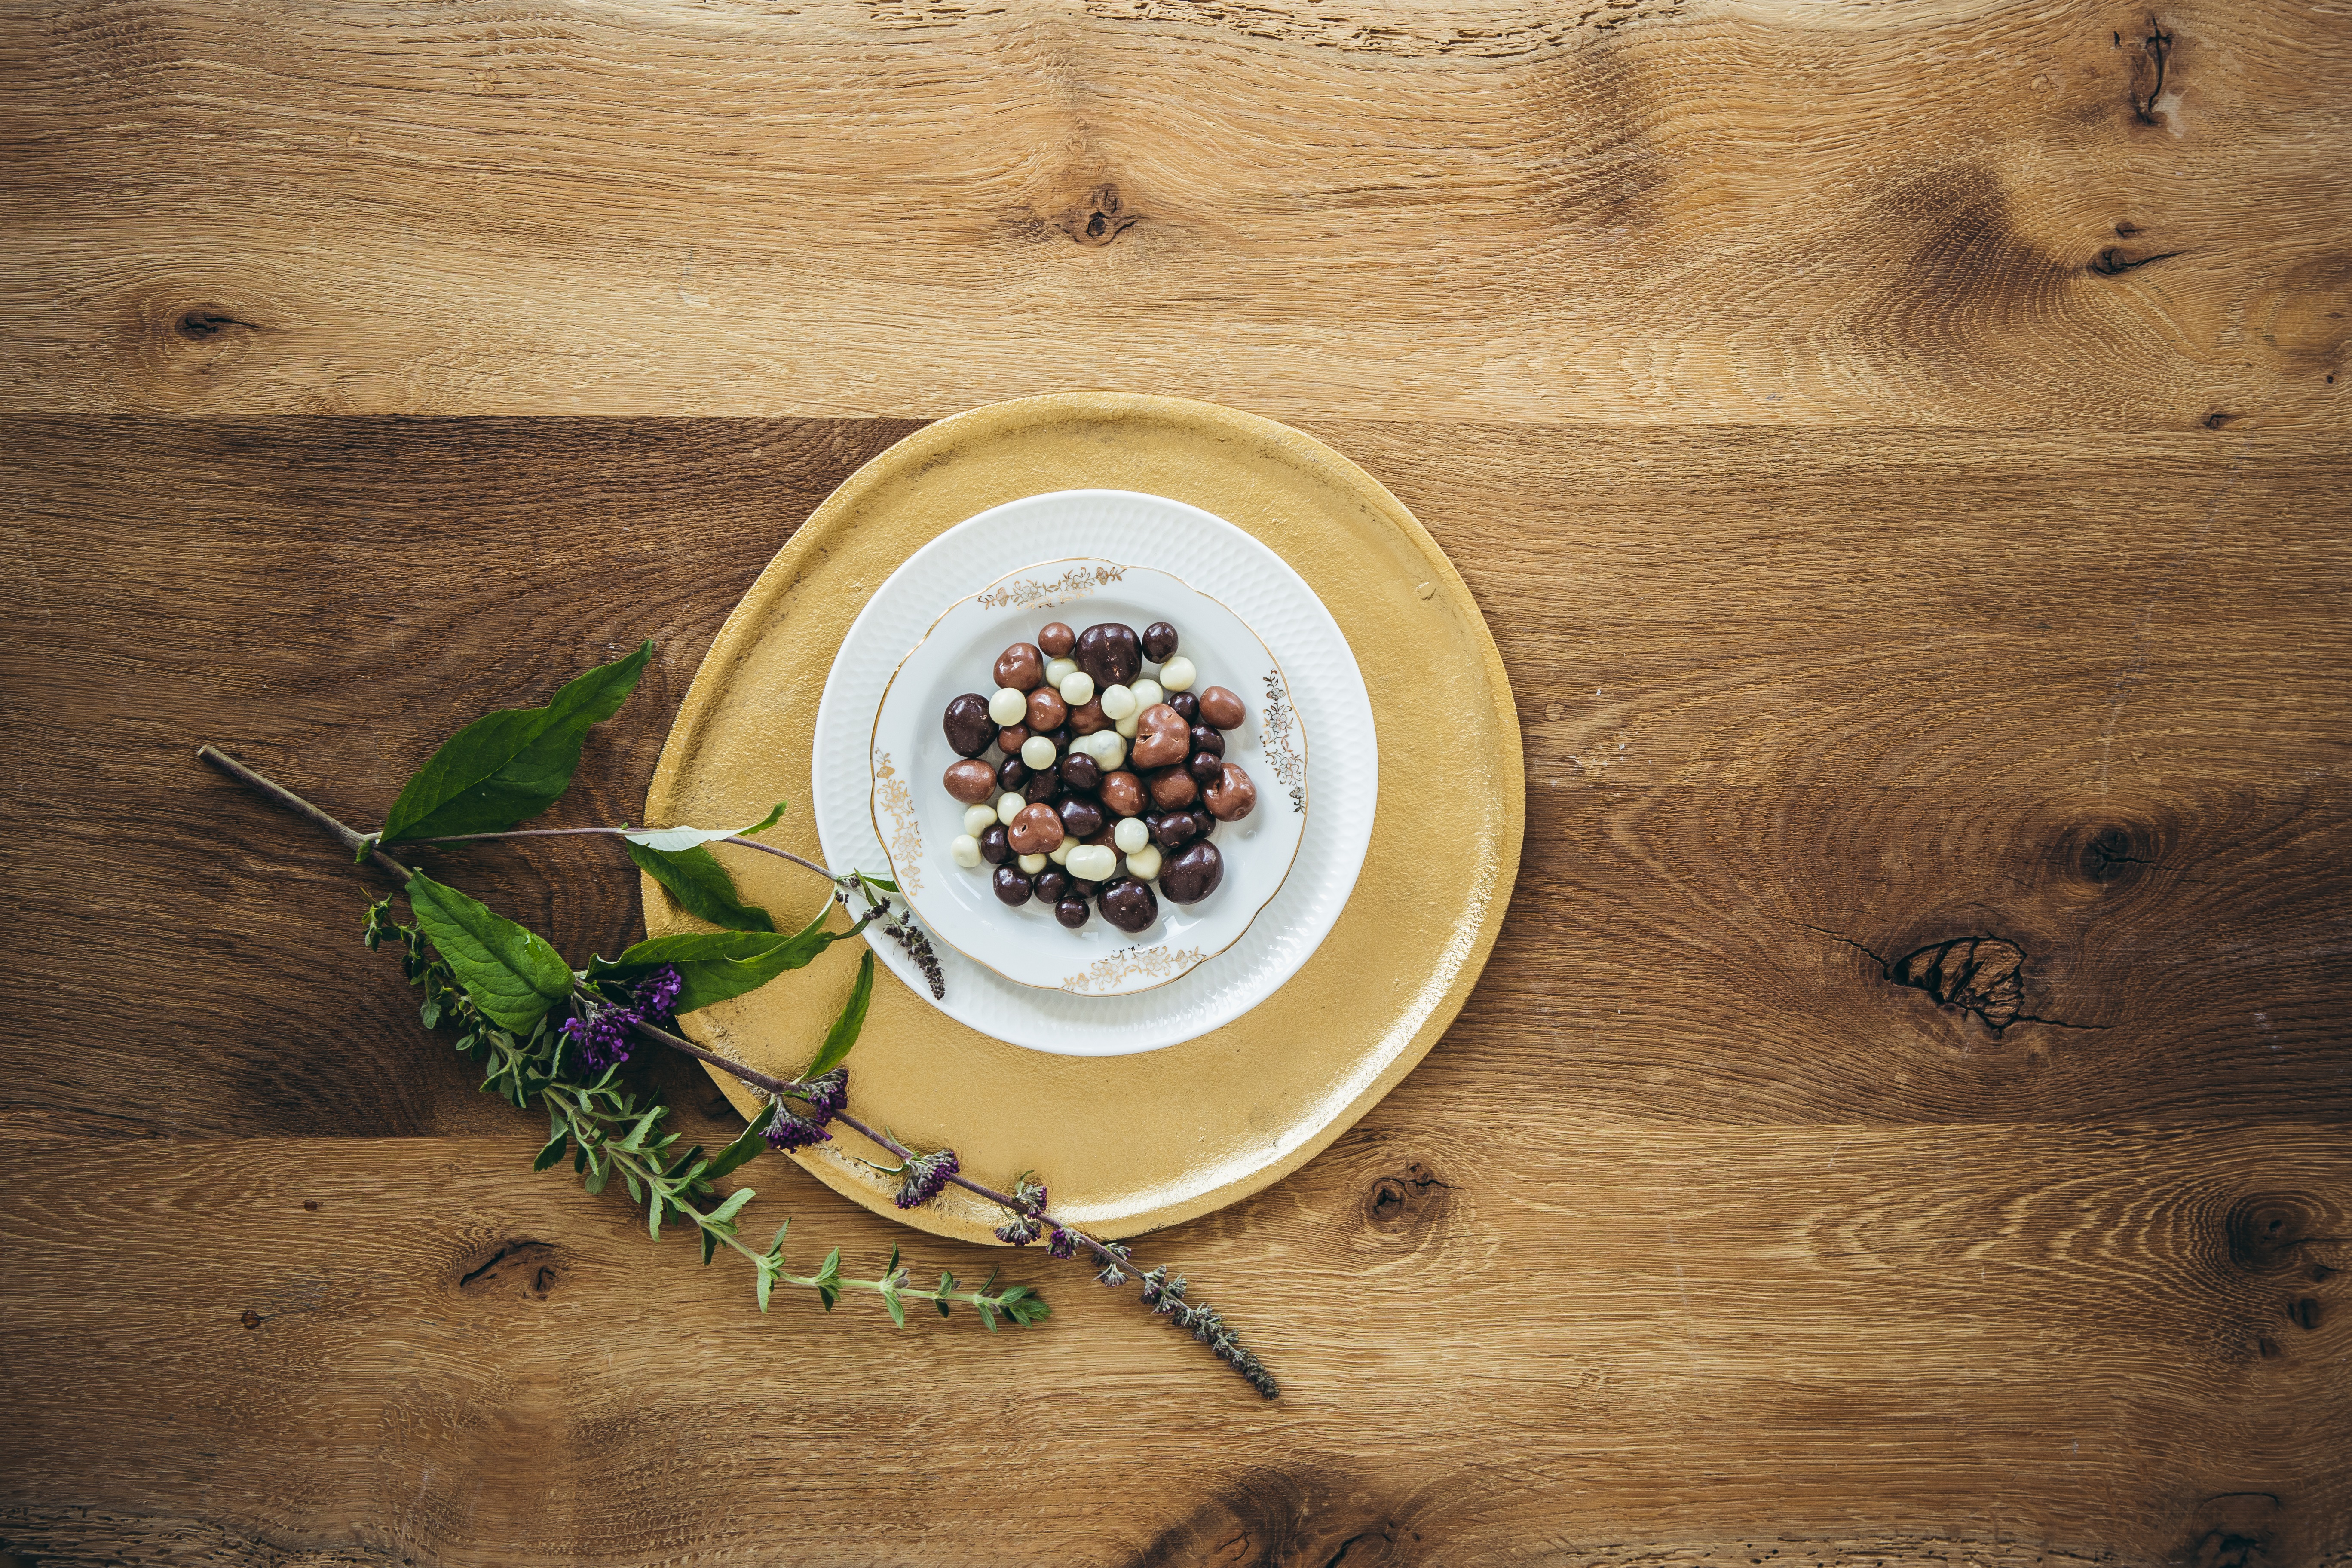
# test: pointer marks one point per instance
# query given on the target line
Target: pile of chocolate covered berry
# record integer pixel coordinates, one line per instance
(1107, 784)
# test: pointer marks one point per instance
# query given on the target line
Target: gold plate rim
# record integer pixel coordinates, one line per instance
(958, 1216)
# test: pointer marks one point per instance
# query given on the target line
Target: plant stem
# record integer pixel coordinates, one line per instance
(618, 832)
(353, 840)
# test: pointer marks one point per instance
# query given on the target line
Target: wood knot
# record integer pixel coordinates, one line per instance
(250, 1318)
(2235, 1530)
(1102, 218)
(1979, 974)
(531, 1269)
(1404, 1201)
(201, 324)
(2267, 1232)
(2109, 854)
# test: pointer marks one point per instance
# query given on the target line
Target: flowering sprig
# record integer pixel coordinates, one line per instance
(610, 1130)
(541, 1028)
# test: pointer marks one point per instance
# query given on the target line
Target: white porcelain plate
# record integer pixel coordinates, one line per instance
(1288, 871)
(917, 821)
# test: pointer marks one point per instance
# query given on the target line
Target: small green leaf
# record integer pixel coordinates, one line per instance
(701, 887)
(710, 1247)
(829, 1273)
(777, 1251)
(512, 973)
(898, 1308)
(637, 1192)
(987, 1315)
(653, 1213)
(553, 1153)
(947, 1283)
(844, 1033)
(767, 1283)
(746, 1147)
(828, 1294)
(512, 764)
(716, 965)
(733, 1205)
(671, 841)
(884, 883)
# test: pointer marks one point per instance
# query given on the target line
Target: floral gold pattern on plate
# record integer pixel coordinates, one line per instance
(1156, 963)
(1258, 1097)
(984, 942)
(1029, 595)
(1280, 753)
(905, 840)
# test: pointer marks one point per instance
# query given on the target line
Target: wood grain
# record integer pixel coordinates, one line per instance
(1655, 1339)
(1898, 450)
(1953, 213)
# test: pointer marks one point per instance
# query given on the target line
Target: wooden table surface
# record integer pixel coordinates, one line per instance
(1898, 450)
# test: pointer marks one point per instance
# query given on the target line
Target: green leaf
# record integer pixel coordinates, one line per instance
(654, 1212)
(733, 1205)
(513, 975)
(844, 1033)
(701, 887)
(672, 840)
(947, 1283)
(512, 764)
(553, 1153)
(767, 1283)
(716, 965)
(987, 1315)
(777, 1251)
(898, 1308)
(744, 1149)
(884, 883)
(709, 1246)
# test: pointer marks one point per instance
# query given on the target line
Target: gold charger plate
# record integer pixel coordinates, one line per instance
(1128, 1143)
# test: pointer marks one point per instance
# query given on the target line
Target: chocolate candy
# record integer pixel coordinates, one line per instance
(1081, 818)
(1050, 886)
(1057, 640)
(996, 845)
(1080, 771)
(1111, 653)
(968, 727)
(1011, 774)
(1172, 789)
(1206, 739)
(1222, 708)
(1203, 821)
(1129, 905)
(1072, 911)
(1089, 716)
(1036, 831)
(1161, 737)
(1011, 886)
(1175, 830)
(1009, 739)
(1021, 667)
(1231, 797)
(971, 781)
(1122, 793)
(1187, 705)
(1191, 873)
(1205, 767)
(1046, 709)
(1082, 888)
(1159, 642)
(1042, 786)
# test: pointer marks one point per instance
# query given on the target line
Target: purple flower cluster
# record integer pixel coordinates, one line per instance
(601, 1034)
(824, 1096)
(923, 1177)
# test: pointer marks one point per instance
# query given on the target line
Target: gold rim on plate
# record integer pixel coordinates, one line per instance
(1135, 1143)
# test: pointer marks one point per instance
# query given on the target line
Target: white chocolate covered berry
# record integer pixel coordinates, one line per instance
(1031, 864)
(979, 819)
(1008, 806)
(1058, 671)
(1060, 854)
(1144, 864)
(1147, 693)
(1077, 690)
(966, 849)
(1093, 862)
(1126, 727)
(1117, 703)
(1008, 706)
(1177, 674)
(1038, 754)
(1130, 834)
